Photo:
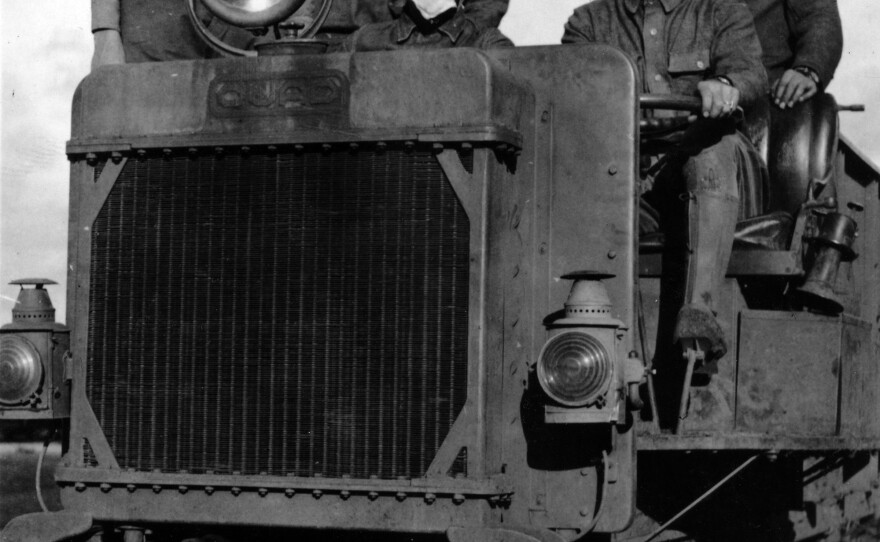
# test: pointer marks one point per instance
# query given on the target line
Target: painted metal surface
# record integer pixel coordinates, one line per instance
(796, 375)
(552, 190)
(552, 131)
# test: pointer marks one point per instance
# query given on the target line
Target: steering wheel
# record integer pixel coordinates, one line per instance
(673, 102)
(305, 16)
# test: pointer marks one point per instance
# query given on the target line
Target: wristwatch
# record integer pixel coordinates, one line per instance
(809, 72)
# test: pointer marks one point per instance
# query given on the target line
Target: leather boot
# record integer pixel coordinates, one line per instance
(711, 223)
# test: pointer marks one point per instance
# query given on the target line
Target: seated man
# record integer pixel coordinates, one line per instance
(802, 42)
(429, 24)
(139, 31)
(706, 48)
(346, 16)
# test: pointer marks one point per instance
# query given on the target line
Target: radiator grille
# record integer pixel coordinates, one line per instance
(292, 314)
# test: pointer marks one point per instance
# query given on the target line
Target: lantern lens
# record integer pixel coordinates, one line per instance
(20, 369)
(574, 368)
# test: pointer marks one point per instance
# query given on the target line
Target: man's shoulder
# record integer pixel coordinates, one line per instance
(597, 6)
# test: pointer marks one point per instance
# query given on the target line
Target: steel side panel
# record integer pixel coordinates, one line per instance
(860, 381)
(788, 374)
(808, 375)
(577, 212)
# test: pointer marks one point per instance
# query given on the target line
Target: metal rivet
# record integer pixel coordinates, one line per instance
(298, 149)
(79, 486)
(408, 146)
(245, 150)
(105, 488)
(182, 489)
(430, 498)
(91, 159)
(437, 147)
(289, 493)
(545, 116)
(326, 147)
(381, 146)
(116, 157)
(209, 490)
(131, 488)
(272, 149)
(345, 494)
(218, 151)
(263, 491)
(372, 495)
(317, 493)
(611, 254)
(353, 147)
(166, 153)
(141, 153)
(400, 496)
(236, 491)
(584, 512)
(612, 170)
(192, 151)
(157, 489)
(458, 498)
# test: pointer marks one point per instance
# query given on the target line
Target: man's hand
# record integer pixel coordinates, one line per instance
(719, 99)
(791, 88)
(108, 49)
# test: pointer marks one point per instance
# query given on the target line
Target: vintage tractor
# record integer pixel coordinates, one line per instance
(404, 292)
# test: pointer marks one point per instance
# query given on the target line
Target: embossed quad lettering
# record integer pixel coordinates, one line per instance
(278, 94)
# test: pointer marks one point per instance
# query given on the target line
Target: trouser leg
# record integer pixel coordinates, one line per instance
(713, 202)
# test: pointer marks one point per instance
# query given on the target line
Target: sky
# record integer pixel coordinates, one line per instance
(45, 49)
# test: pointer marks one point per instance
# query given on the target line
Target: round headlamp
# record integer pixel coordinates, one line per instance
(574, 368)
(20, 369)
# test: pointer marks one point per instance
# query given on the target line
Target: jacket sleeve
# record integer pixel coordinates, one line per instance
(579, 27)
(492, 38)
(736, 51)
(816, 29)
(105, 15)
(486, 13)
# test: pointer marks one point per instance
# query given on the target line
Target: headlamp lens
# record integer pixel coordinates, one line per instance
(20, 369)
(574, 368)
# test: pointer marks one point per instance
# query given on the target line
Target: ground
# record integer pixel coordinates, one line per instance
(18, 465)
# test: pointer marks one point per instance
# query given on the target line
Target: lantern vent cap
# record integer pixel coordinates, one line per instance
(33, 305)
(588, 302)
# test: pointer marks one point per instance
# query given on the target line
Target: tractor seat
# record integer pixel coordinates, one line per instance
(798, 145)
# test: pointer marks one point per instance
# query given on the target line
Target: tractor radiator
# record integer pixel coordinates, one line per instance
(288, 313)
